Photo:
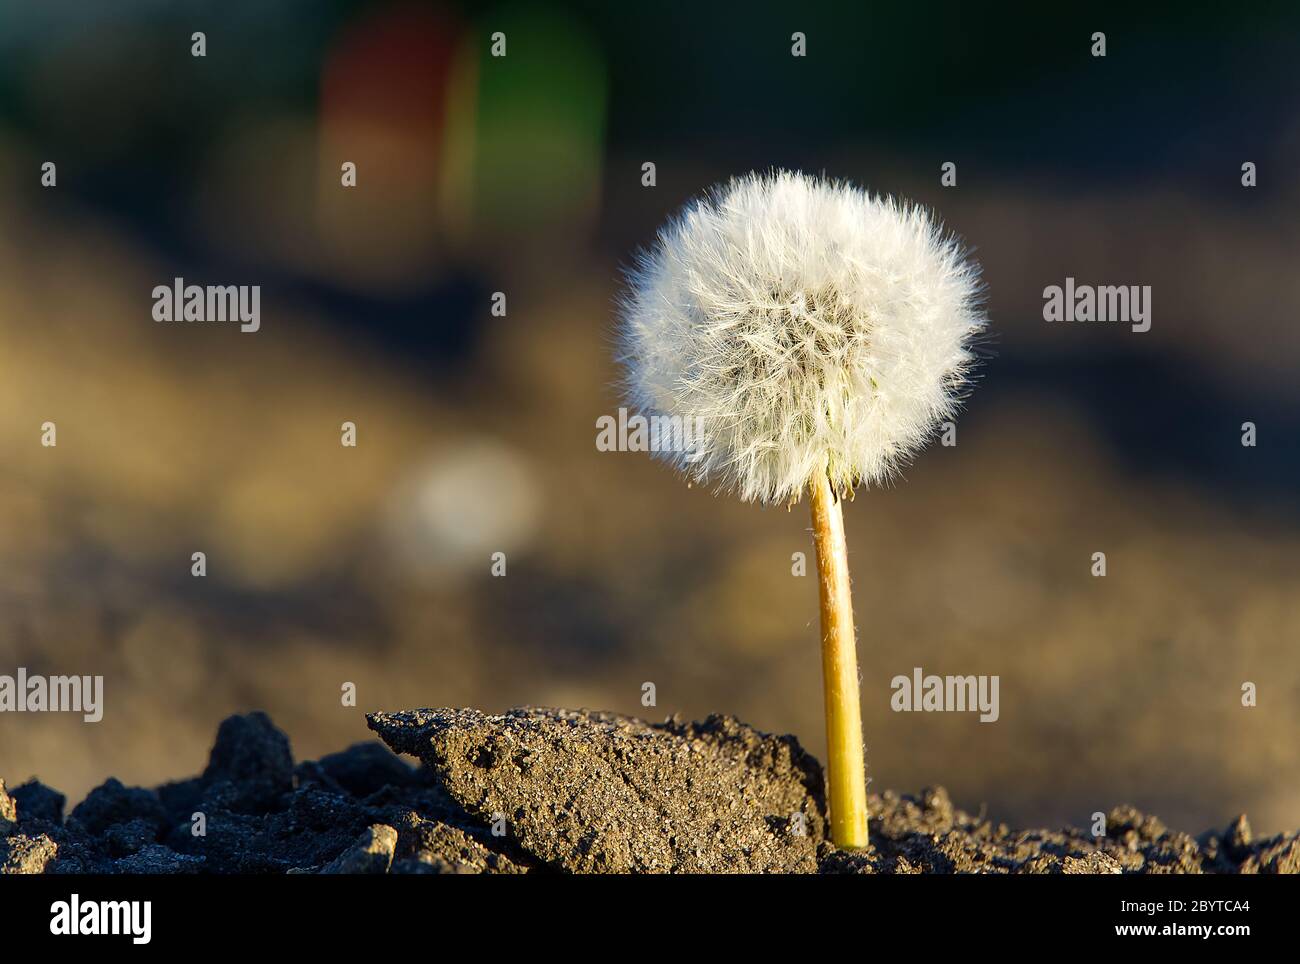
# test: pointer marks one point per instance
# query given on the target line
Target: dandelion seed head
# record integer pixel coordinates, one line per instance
(805, 326)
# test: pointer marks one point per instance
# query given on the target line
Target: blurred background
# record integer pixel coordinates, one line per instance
(476, 433)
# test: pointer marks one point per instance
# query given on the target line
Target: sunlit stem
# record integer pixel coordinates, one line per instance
(845, 766)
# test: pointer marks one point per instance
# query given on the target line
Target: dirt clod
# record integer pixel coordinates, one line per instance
(36, 801)
(371, 853)
(8, 811)
(586, 792)
(20, 854)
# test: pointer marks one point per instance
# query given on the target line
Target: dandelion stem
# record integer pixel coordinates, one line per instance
(845, 766)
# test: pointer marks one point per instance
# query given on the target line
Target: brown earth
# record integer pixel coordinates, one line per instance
(566, 791)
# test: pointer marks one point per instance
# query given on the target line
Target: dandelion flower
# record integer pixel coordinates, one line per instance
(816, 337)
(807, 326)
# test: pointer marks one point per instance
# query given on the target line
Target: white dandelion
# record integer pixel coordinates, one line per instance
(817, 337)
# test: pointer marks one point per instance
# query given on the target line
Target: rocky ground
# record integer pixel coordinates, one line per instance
(540, 790)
